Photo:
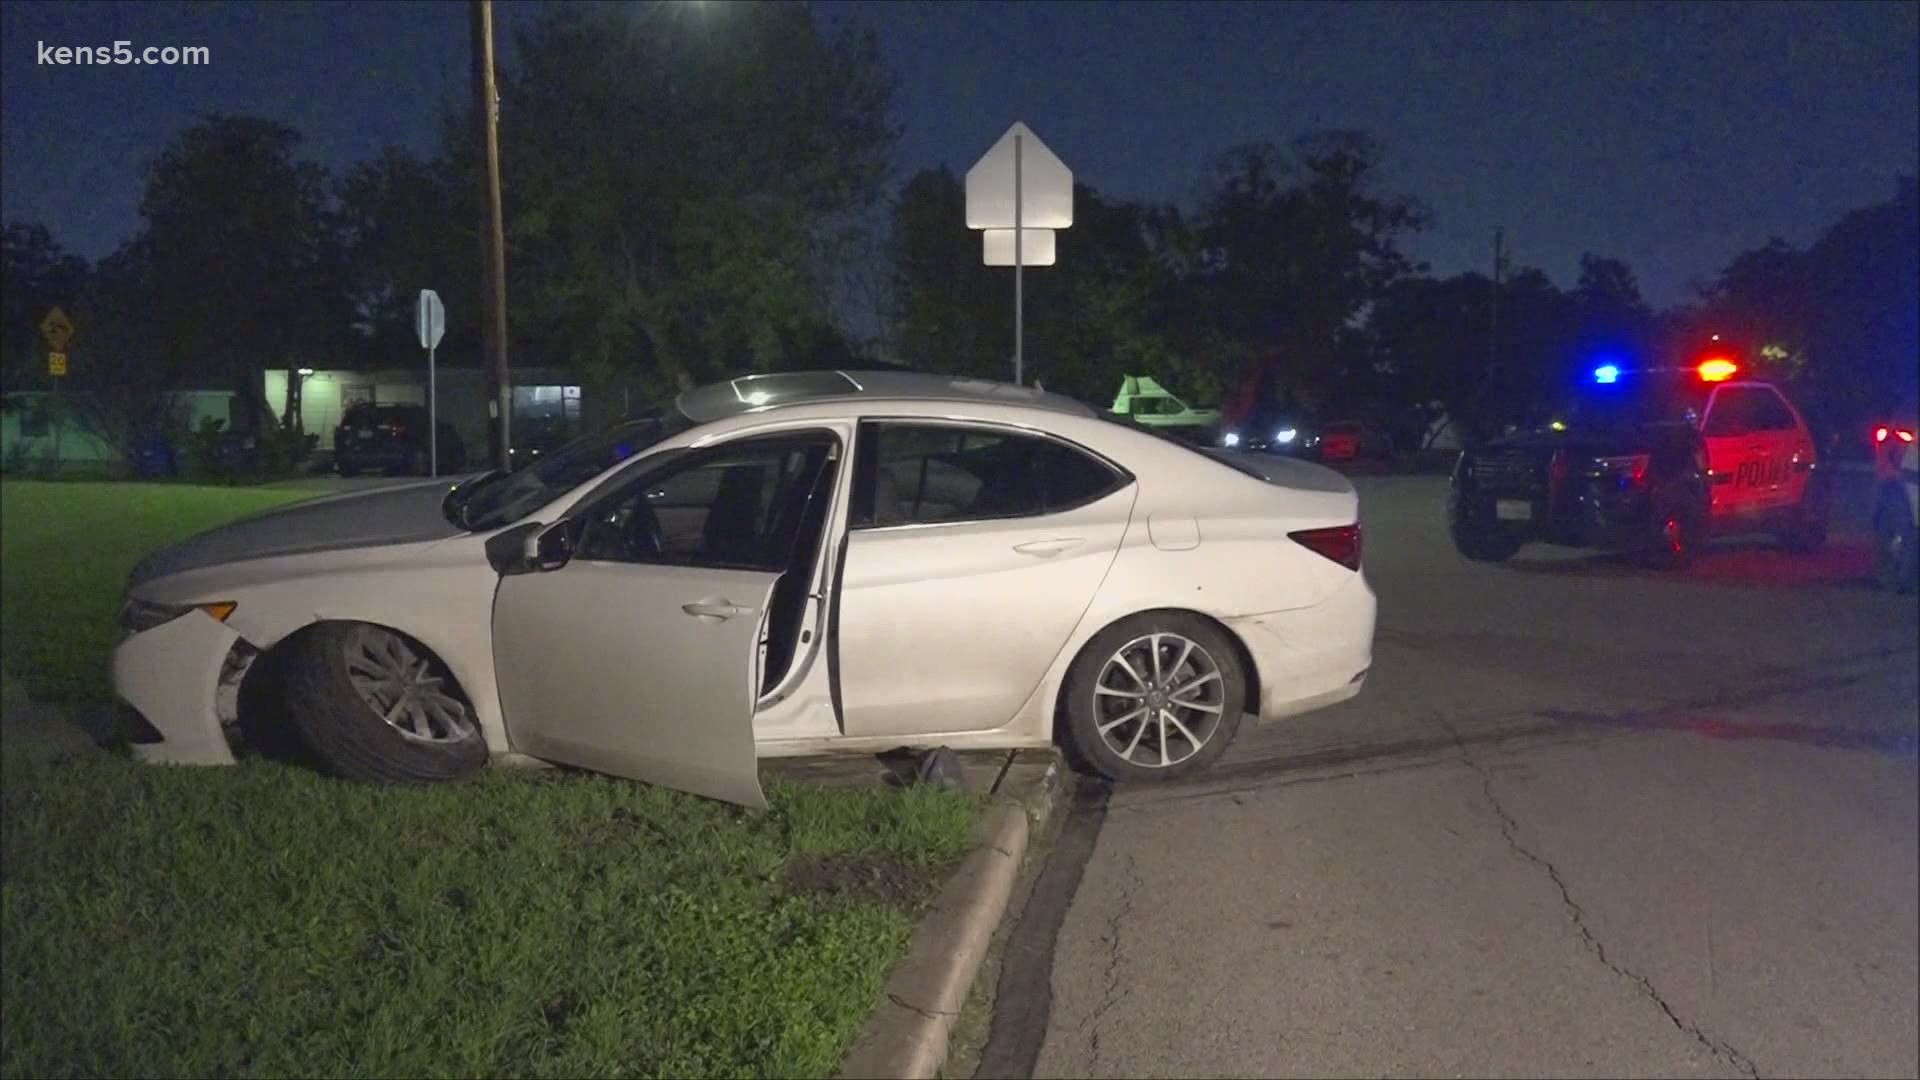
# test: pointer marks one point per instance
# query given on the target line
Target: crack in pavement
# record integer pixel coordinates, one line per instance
(1509, 830)
(1113, 995)
(931, 1014)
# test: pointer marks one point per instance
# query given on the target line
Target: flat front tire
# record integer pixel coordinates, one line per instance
(1155, 696)
(375, 705)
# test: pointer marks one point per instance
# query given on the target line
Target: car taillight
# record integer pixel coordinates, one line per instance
(1883, 432)
(1340, 543)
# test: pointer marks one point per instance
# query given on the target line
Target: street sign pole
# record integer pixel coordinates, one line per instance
(1019, 298)
(1019, 193)
(430, 317)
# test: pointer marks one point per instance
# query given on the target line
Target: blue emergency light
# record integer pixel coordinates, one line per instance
(1606, 373)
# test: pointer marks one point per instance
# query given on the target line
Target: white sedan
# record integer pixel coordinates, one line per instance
(778, 565)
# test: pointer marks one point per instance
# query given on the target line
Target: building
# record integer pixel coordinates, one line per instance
(544, 400)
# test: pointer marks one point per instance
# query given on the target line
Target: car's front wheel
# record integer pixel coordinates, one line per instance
(1153, 697)
(1896, 563)
(1476, 534)
(375, 705)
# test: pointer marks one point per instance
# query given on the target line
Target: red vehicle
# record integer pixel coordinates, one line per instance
(1340, 441)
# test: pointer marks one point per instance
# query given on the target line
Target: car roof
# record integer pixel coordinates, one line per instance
(718, 401)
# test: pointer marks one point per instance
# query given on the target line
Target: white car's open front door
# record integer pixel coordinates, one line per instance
(641, 671)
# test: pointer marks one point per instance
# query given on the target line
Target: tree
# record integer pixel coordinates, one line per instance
(948, 310)
(1432, 339)
(39, 275)
(1838, 319)
(1610, 315)
(120, 384)
(1101, 312)
(672, 185)
(1864, 275)
(244, 274)
(1296, 247)
(406, 224)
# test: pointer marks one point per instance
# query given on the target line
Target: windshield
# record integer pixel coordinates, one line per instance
(498, 498)
(1640, 402)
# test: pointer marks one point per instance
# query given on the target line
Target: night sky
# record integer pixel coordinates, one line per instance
(1670, 135)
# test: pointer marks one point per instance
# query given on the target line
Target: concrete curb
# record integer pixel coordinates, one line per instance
(907, 1036)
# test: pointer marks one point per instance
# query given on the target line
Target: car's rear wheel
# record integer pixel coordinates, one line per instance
(1806, 533)
(1154, 697)
(375, 705)
(1476, 535)
(1675, 531)
(1896, 563)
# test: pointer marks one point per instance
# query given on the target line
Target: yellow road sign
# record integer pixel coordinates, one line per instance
(58, 329)
(57, 364)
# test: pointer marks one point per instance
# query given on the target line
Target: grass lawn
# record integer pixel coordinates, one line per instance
(65, 552)
(265, 920)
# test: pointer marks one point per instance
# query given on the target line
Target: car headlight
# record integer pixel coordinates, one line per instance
(1231, 438)
(139, 616)
(1285, 435)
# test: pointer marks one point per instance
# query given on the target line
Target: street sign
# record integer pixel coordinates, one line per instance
(430, 318)
(1016, 188)
(57, 329)
(57, 364)
(1045, 182)
(1036, 247)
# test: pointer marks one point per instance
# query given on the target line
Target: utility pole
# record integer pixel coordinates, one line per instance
(493, 248)
(1493, 311)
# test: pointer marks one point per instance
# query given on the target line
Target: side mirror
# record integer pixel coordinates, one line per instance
(550, 548)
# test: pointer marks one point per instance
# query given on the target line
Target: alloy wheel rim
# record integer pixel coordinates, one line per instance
(404, 688)
(1159, 700)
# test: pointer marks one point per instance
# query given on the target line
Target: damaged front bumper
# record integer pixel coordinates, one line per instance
(182, 677)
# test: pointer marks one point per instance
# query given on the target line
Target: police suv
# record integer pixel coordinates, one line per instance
(1653, 461)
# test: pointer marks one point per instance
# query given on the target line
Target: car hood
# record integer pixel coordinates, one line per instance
(401, 514)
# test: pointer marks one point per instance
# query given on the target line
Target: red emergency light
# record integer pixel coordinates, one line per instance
(1718, 369)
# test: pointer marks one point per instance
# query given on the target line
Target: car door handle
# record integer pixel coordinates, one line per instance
(712, 609)
(1048, 548)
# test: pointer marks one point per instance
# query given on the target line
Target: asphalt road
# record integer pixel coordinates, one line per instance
(1584, 820)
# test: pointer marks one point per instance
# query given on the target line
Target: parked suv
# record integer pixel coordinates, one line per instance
(392, 439)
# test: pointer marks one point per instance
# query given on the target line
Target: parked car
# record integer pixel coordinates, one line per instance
(1147, 402)
(392, 439)
(1350, 440)
(1896, 503)
(1653, 461)
(1271, 429)
(781, 564)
